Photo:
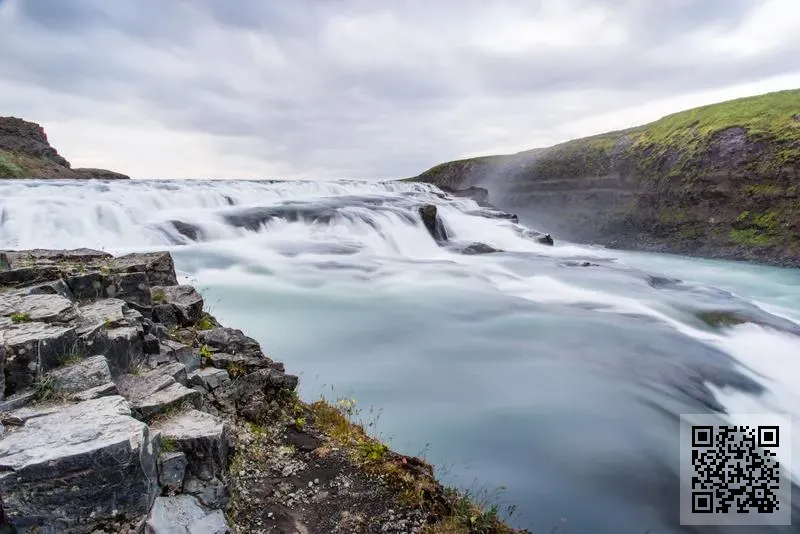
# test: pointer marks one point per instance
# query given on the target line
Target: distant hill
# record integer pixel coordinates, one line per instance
(26, 153)
(717, 181)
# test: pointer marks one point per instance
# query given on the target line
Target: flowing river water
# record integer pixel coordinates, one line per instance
(557, 373)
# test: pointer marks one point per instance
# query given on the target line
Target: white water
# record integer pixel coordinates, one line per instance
(375, 247)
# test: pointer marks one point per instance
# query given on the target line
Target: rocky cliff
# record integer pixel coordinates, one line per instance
(26, 153)
(126, 408)
(716, 181)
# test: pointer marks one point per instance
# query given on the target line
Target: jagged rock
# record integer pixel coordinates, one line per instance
(181, 353)
(209, 378)
(80, 376)
(150, 344)
(154, 392)
(433, 223)
(17, 400)
(132, 287)
(212, 493)
(158, 266)
(32, 349)
(46, 308)
(55, 287)
(188, 230)
(171, 470)
(108, 312)
(122, 346)
(86, 286)
(230, 340)
(188, 303)
(203, 438)
(239, 392)
(2, 366)
(28, 275)
(183, 514)
(166, 314)
(104, 390)
(19, 135)
(176, 370)
(70, 467)
(245, 364)
(546, 239)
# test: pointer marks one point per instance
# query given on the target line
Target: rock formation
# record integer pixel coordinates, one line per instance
(717, 181)
(26, 153)
(126, 408)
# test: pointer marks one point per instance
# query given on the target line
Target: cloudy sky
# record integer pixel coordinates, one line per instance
(369, 89)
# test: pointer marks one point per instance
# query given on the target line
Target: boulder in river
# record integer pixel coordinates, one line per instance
(433, 223)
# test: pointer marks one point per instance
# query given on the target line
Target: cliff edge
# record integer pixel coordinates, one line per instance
(716, 181)
(25, 152)
(125, 407)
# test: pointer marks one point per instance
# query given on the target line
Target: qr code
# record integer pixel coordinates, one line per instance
(736, 472)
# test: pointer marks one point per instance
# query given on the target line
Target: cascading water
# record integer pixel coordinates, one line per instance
(558, 372)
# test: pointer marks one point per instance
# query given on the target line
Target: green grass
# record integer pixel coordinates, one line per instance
(20, 317)
(751, 237)
(9, 167)
(770, 115)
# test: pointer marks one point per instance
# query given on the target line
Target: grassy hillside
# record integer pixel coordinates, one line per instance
(718, 180)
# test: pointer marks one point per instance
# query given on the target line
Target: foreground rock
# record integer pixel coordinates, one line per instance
(76, 466)
(126, 408)
(25, 152)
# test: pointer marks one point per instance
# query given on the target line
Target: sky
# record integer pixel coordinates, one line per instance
(369, 89)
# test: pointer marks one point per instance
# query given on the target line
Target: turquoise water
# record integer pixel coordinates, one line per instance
(523, 370)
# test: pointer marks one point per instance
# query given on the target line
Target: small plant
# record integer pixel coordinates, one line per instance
(108, 323)
(372, 451)
(169, 445)
(235, 370)
(300, 423)
(158, 296)
(205, 322)
(105, 269)
(205, 353)
(72, 357)
(44, 389)
(20, 317)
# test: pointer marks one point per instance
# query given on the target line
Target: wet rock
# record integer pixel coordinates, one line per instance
(188, 230)
(571, 263)
(99, 174)
(475, 248)
(155, 392)
(183, 514)
(433, 223)
(76, 466)
(546, 239)
(171, 470)
(203, 438)
(478, 194)
(212, 493)
(2, 366)
(32, 349)
(158, 266)
(188, 303)
(46, 308)
(209, 378)
(85, 374)
(230, 340)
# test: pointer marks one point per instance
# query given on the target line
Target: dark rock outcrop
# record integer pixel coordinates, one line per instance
(433, 223)
(25, 152)
(719, 181)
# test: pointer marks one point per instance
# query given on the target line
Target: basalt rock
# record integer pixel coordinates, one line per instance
(433, 223)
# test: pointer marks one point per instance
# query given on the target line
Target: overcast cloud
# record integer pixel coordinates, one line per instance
(369, 89)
